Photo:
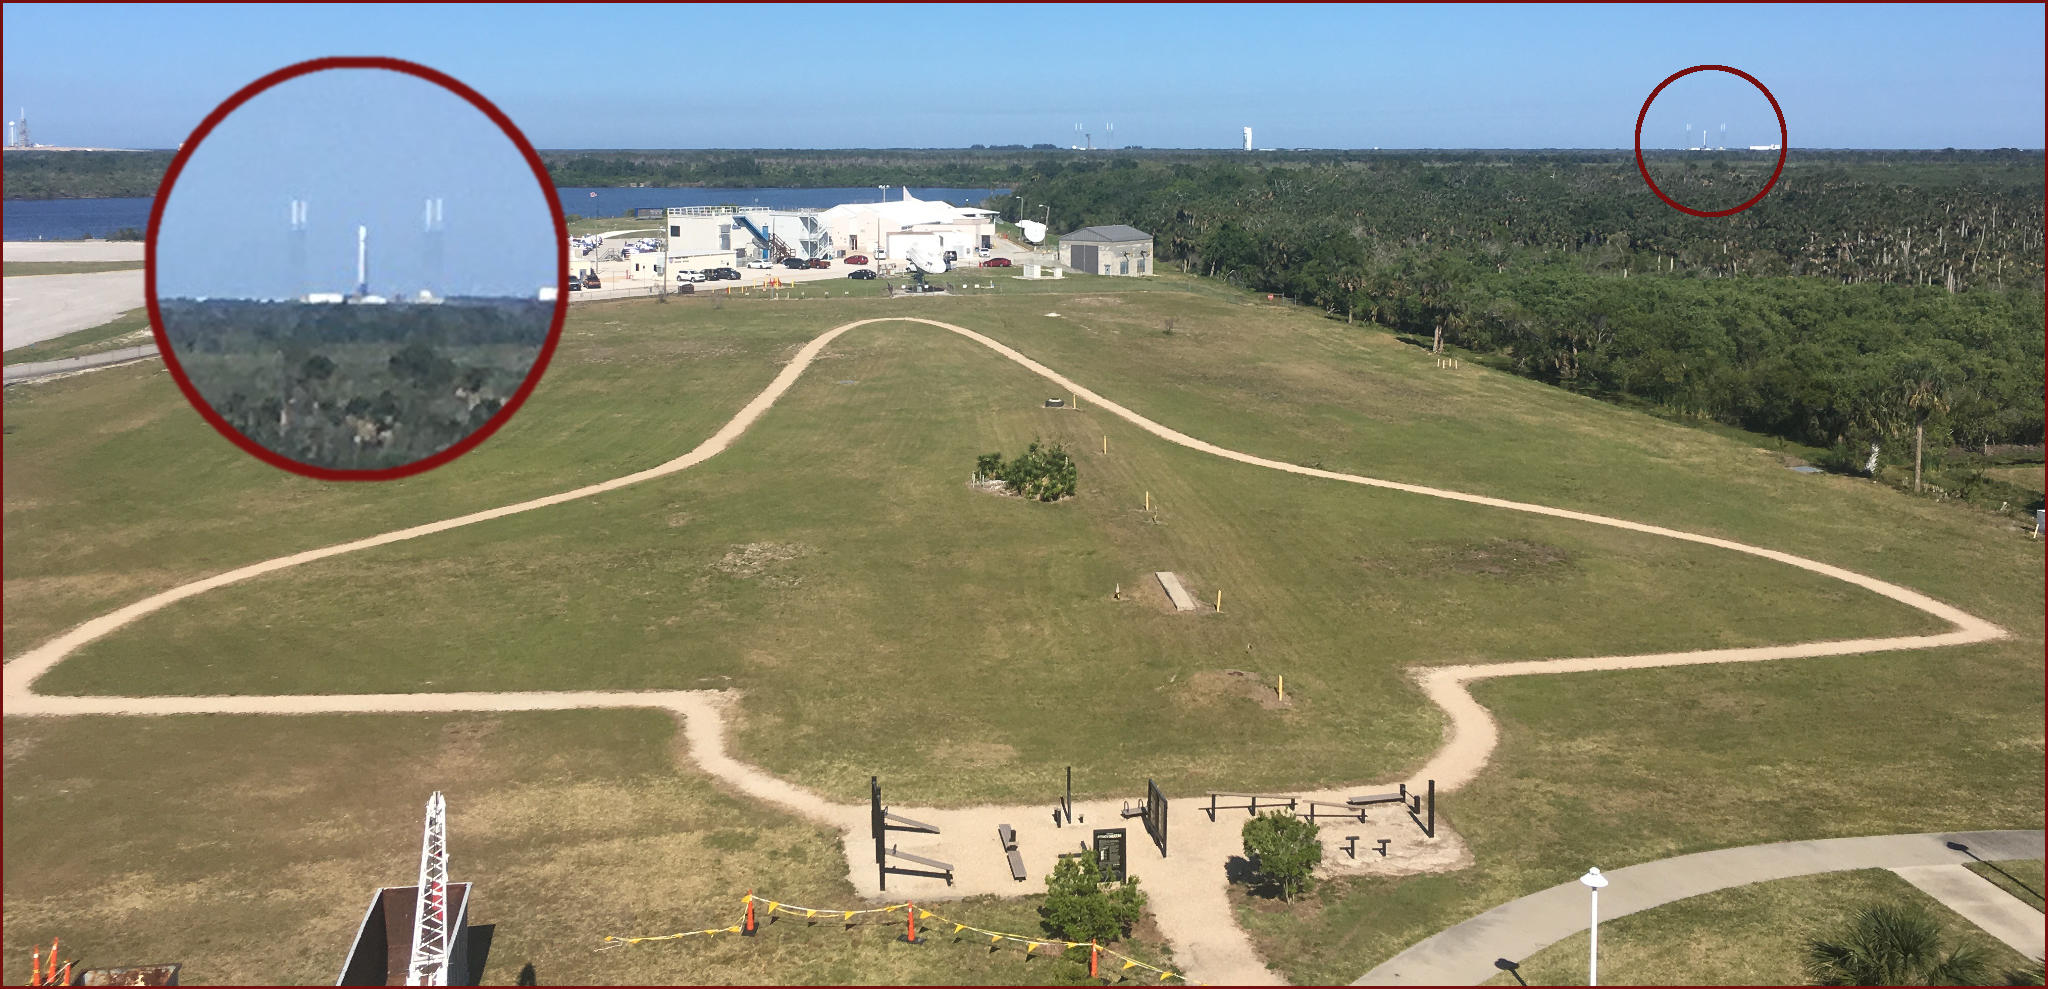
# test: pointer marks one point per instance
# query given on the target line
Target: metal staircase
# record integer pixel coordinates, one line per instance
(777, 250)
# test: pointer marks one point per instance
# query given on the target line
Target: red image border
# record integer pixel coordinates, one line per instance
(533, 374)
(1784, 142)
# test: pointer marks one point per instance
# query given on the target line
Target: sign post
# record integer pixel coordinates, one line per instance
(1109, 854)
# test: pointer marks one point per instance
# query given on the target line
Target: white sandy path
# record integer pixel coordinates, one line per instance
(1190, 901)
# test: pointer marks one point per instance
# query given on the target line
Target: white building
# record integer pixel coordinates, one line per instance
(862, 228)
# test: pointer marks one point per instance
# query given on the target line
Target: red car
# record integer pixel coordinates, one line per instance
(996, 263)
(821, 262)
(856, 259)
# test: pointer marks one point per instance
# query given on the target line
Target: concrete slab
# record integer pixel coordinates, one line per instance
(1174, 592)
(40, 307)
(1982, 903)
(72, 250)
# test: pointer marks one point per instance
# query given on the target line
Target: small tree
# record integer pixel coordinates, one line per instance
(989, 465)
(1893, 945)
(1077, 907)
(1284, 849)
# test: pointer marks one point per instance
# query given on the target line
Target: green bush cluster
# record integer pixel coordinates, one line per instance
(1284, 850)
(1079, 906)
(1044, 473)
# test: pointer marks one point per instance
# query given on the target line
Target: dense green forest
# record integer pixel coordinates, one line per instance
(356, 387)
(1869, 298)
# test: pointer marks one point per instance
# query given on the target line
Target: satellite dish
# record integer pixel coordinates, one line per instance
(926, 259)
(1034, 231)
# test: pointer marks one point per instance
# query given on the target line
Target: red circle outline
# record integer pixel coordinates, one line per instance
(1784, 142)
(533, 374)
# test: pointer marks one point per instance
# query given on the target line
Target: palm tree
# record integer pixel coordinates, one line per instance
(1893, 945)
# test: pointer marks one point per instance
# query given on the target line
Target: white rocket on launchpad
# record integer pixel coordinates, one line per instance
(362, 262)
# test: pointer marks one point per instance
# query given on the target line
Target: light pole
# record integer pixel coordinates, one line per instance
(1594, 882)
(1048, 221)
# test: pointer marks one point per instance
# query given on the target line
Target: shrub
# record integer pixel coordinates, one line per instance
(1077, 908)
(1284, 850)
(1046, 473)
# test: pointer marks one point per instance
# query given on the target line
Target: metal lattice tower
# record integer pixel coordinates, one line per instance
(430, 942)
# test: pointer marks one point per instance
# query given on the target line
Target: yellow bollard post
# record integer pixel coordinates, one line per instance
(1283, 688)
(1219, 602)
(1105, 444)
(1148, 501)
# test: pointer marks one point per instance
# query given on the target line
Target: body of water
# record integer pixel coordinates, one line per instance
(71, 219)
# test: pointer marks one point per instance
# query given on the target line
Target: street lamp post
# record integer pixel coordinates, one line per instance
(1594, 882)
(1048, 220)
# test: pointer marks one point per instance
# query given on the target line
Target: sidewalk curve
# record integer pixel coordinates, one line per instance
(1464, 954)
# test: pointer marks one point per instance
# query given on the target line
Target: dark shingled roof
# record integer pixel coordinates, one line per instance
(1114, 233)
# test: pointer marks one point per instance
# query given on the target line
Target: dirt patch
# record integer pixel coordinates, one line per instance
(1215, 686)
(1508, 559)
(756, 559)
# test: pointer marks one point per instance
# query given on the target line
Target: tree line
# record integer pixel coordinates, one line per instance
(1869, 297)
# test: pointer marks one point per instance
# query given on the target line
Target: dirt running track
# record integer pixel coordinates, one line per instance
(1189, 898)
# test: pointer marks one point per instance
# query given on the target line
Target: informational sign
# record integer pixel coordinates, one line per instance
(1109, 854)
(1155, 816)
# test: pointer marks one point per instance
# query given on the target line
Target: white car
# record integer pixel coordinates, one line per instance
(982, 251)
(689, 276)
(758, 263)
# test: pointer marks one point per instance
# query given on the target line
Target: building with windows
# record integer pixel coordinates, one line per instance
(1115, 249)
(719, 236)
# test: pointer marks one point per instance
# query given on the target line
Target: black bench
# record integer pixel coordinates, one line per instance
(1008, 836)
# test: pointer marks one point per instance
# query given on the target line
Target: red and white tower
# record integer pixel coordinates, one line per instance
(430, 941)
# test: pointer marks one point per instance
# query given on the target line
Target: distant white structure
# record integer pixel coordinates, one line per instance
(1034, 231)
(1766, 147)
(328, 298)
(548, 293)
(363, 262)
(1247, 139)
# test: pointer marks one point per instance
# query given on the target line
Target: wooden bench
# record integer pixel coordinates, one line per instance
(1008, 836)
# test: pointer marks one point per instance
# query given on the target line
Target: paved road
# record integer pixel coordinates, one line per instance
(1190, 898)
(1463, 955)
(72, 250)
(42, 369)
(39, 307)
(1983, 903)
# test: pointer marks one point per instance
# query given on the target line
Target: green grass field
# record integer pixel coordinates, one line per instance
(247, 849)
(12, 269)
(877, 549)
(834, 565)
(1745, 935)
(129, 329)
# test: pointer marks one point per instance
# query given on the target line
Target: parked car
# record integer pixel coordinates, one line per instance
(689, 276)
(860, 273)
(821, 262)
(996, 263)
(983, 251)
(760, 263)
(590, 281)
(716, 274)
(575, 284)
(856, 259)
(796, 262)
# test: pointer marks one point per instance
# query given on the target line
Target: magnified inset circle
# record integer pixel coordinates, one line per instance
(354, 268)
(1783, 141)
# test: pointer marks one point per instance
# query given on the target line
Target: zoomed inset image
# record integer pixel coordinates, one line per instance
(355, 271)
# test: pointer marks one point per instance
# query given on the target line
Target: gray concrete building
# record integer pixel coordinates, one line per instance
(1115, 249)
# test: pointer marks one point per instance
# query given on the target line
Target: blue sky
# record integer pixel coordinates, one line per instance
(1166, 76)
(361, 147)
